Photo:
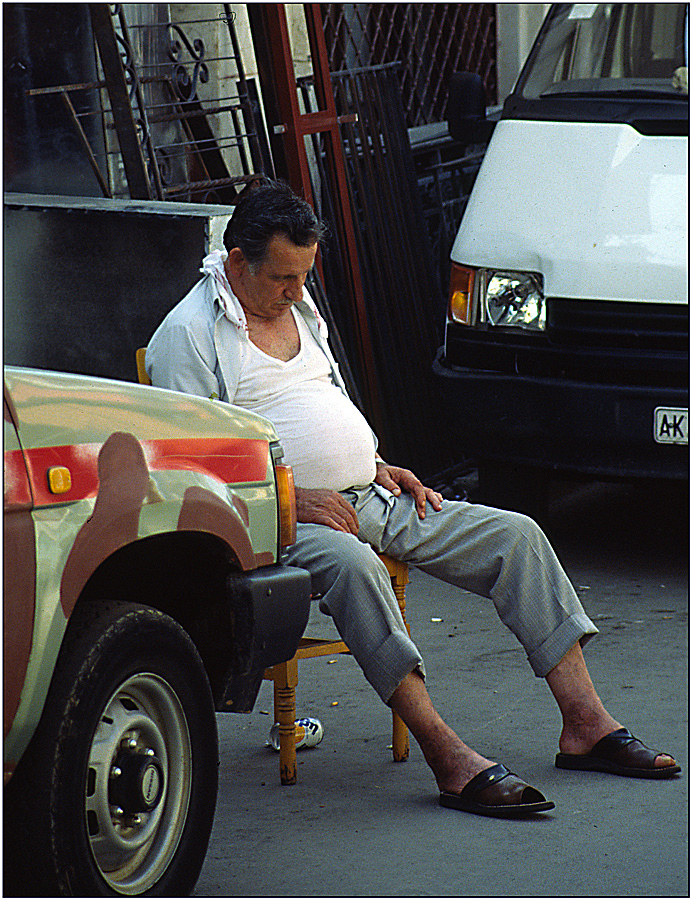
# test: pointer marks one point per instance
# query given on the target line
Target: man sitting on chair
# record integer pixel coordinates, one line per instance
(249, 333)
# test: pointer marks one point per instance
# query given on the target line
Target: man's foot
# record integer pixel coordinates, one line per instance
(456, 766)
(497, 792)
(581, 734)
(620, 753)
(585, 720)
(576, 741)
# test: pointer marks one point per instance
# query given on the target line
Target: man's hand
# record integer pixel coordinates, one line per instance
(324, 507)
(395, 480)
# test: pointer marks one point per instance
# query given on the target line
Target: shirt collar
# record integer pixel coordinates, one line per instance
(231, 306)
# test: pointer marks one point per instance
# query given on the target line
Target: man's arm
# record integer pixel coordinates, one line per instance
(174, 361)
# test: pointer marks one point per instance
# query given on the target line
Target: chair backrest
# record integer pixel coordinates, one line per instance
(140, 356)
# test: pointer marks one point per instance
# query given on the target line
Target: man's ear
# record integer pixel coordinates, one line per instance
(236, 264)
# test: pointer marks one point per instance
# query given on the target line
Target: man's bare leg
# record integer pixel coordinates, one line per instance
(584, 718)
(452, 762)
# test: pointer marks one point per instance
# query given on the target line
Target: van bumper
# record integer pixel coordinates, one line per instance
(559, 424)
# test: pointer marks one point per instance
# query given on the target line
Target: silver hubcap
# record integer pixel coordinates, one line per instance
(138, 784)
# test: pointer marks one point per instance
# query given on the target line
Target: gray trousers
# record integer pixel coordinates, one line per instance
(494, 553)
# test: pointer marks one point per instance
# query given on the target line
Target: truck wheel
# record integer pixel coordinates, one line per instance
(119, 783)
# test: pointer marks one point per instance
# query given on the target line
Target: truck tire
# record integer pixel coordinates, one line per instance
(116, 793)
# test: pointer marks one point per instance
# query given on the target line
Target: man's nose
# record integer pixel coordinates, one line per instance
(294, 291)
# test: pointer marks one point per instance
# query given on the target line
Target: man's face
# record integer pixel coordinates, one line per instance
(277, 284)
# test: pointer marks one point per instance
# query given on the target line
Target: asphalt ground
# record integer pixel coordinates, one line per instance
(359, 825)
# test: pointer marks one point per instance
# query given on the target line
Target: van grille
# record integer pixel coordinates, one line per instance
(651, 326)
(597, 342)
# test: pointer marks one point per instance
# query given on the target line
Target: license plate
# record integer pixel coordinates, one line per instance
(670, 425)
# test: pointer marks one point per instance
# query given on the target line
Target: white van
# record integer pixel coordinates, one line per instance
(567, 340)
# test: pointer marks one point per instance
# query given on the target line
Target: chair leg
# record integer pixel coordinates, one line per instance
(400, 744)
(399, 575)
(285, 677)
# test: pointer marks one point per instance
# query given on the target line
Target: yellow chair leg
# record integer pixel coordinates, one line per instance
(400, 745)
(285, 677)
(399, 575)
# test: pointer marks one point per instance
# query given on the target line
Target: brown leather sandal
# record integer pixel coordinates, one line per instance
(619, 753)
(497, 792)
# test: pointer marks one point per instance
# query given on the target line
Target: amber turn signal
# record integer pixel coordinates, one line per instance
(461, 284)
(288, 515)
(59, 480)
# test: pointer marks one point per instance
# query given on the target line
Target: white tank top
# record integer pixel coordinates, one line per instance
(325, 437)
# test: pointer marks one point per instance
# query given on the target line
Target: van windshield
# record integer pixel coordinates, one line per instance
(610, 49)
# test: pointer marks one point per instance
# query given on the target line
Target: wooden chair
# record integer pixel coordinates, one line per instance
(140, 356)
(285, 678)
(285, 675)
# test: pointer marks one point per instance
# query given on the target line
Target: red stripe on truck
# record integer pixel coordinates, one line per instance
(228, 460)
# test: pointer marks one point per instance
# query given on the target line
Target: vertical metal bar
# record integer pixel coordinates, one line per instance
(126, 129)
(268, 77)
(264, 162)
(141, 108)
(286, 91)
(243, 94)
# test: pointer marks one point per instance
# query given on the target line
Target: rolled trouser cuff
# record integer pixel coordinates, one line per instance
(578, 627)
(393, 660)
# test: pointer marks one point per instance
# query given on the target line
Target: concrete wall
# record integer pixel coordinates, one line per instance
(86, 281)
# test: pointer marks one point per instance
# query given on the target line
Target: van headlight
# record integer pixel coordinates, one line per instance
(497, 298)
(514, 298)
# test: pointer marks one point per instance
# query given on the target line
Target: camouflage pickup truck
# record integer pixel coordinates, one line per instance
(144, 592)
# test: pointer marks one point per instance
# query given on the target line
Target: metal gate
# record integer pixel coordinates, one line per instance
(172, 116)
(430, 41)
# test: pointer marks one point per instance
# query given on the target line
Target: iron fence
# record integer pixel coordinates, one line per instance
(182, 123)
(431, 41)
